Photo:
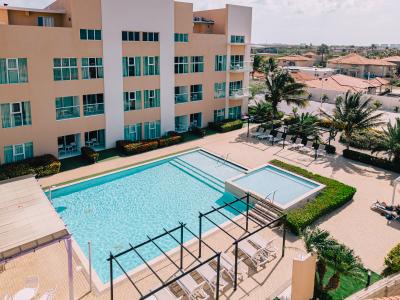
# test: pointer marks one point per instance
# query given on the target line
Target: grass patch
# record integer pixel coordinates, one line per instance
(349, 285)
(333, 196)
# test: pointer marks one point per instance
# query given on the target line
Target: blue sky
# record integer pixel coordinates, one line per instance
(358, 22)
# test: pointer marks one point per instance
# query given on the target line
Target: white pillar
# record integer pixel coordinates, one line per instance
(70, 270)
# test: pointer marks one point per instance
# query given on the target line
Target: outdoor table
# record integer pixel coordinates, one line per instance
(25, 294)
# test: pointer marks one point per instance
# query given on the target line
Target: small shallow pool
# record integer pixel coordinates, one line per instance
(122, 208)
(283, 188)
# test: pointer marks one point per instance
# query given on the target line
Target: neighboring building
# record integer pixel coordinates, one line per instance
(394, 60)
(312, 71)
(315, 57)
(358, 66)
(96, 71)
(343, 83)
(295, 61)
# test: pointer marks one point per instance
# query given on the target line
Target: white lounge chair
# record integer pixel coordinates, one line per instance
(258, 257)
(266, 135)
(228, 265)
(210, 276)
(287, 141)
(321, 151)
(30, 289)
(297, 144)
(49, 295)
(259, 132)
(192, 289)
(262, 243)
(277, 138)
(308, 148)
(164, 294)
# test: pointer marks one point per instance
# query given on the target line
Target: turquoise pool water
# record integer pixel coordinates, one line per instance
(119, 209)
(274, 182)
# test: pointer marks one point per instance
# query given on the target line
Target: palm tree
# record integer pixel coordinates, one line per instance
(258, 64)
(351, 115)
(323, 50)
(270, 67)
(261, 111)
(305, 125)
(391, 143)
(282, 87)
(344, 262)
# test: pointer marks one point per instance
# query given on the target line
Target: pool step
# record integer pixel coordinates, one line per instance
(202, 176)
(264, 212)
(268, 205)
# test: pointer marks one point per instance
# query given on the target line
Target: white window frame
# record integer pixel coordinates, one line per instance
(152, 98)
(185, 92)
(61, 67)
(12, 69)
(181, 64)
(133, 100)
(15, 154)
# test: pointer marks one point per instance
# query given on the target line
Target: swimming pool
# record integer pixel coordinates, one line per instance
(284, 189)
(122, 208)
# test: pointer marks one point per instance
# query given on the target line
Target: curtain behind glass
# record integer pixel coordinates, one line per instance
(26, 115)
(3, 71)
(5, 115)
(8, 154)
(29, 150)
(23, 69)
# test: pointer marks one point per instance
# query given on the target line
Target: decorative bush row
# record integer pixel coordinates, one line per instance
(392, 261)
(130, 148)
(41, 166)
(333, 196)
(365, 140)
(201, 132)
(372, 160)
(90, 154)
(228, 125)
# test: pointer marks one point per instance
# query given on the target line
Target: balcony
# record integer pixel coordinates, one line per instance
(239, 94)
(65, 113)
(243, 67)
(93, 109)
(181, 98)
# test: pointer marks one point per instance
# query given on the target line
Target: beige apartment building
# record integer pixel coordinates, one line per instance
(96, 71)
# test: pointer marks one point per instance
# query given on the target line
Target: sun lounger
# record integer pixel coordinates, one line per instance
(262, 243)
(321, 151)
(260, 131)
(30, 290)
(164, 294)
(228, 265)
(266, 135)
(297, 144)
(210, 276)
(192, 289)
(49, 295)
(308, 148)
(257, 257)
(287, 141)
(381, 207)
(276, 139)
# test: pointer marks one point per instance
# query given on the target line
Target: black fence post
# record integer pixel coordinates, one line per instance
(218, 274)
(247, 210)
(200, 230)
(111, 277)
(181, 265)
(284, 237)
(236, 266)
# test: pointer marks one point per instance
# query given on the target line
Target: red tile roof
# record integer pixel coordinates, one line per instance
(393, 59)
(294, 58)
(355, 59)
(301, 76)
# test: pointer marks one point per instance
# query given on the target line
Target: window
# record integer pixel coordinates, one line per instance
(150, 36)
(181, 123)
(235, 113)
(220, 63)
(152, 130)
(235, 87)
(130, 36)
(219, 90)
(13, 70)
(181, 94)
(16, 114)
(93, 104)
(46, 21)
(67, 107)
(151, 65)
(18, 152)
(69, 145)
(197, 64)
(237, 62)
(65, 69)
(181, 65)
(181, 37)
(196, 92)
(96, 139)
(133, 132)
(92, 68)
(151, 98)
(90, 34)
(131, 66)
(195, 120)
(237, 39)
(132, 100)
(219, 115)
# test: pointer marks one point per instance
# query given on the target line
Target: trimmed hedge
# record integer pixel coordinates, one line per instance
(392, 261)
(333, 196)
(90, 154)
(41, 166)
(201, 132)
(229, 126)
(364, 140)
(170, 140)
(372, 160)
(131, 148)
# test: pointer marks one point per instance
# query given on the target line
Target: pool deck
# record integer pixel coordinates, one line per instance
(368, 233)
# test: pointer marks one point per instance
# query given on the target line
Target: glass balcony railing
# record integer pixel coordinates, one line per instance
(181, 98)
(67, 113)
(239, 93)
(241, 67)
(93, 109)
(197, 96)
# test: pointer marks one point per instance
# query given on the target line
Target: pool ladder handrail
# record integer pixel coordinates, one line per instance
(273, 197)
(224, 160)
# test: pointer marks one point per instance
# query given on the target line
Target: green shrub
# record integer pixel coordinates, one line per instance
(372, 160)
(3, 176)
(229, 126)
(90, 154)
(333, 196)
(330, 149)
(365, 140)
(392, 261)
(277, 124)
(170, 140)
(131, 148)
(201, 132)
(41, 166)
(325, 123)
